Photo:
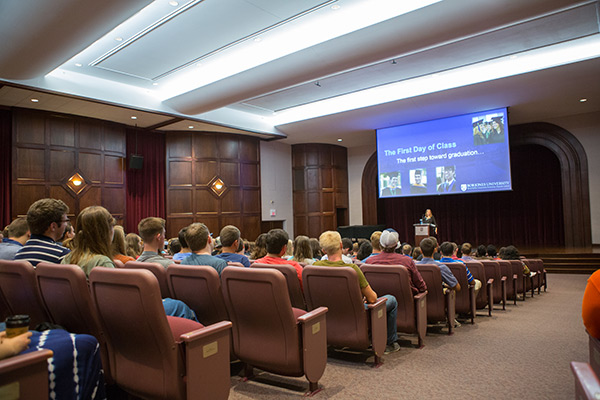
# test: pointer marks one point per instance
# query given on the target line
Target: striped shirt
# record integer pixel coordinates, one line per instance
(40, 248)
(451, 260)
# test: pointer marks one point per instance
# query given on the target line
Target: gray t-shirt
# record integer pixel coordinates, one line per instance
(154, 257)
(204, 259)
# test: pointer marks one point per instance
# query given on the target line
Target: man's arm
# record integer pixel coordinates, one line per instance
(369, 294)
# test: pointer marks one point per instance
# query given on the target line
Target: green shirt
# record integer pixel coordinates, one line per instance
(362, 281)
(86, 264)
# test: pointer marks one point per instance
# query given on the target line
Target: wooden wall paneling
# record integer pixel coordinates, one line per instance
(91, 166)
(252, 227)
(29, 164)
(230, 173)
(251, 202)
(250, 174)
(29, 129)
(206, 202)
(180, 145)
(205, 146)
(313, 199)
(176, 223)
(113, 199)
(93, 197)
(91, 135)
(300, 225)
(114, 170)
(205, 172)
(266, 226)
(181, 201)
(228, 148)
(231, 201)
(234, 220)
(23, 196)
(180, 173)
(315, 226)
(327, 201)
(114, 139)
(212, 222)
(62, 165)
(249, 151)
(61, 131)
(312, 179)
(61, 193)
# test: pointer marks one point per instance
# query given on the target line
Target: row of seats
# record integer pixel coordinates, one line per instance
(587, 384)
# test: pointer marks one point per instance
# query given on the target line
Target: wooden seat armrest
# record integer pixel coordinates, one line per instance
(24, 360)
(377, 304)
(206, 331)
(419, 296)
(310, 316)
(378, 317)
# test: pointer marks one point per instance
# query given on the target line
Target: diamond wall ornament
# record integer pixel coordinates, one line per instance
(76, 183)
(217, 186)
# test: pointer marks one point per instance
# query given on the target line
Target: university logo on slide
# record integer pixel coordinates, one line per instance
(463, 187)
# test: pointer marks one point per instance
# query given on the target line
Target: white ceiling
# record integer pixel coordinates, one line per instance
(216, 65)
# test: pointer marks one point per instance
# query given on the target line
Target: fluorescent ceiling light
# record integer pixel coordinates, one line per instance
(529, 61)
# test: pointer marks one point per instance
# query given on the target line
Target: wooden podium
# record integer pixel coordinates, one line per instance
(422, 231)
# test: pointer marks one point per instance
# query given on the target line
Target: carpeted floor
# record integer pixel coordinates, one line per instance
(523, 352)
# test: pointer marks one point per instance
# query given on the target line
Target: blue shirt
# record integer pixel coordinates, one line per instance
(451, 260)
(40, 248)
(447, 275)
(234, 257)
(181, 256)
(205, 259)
(8, 249)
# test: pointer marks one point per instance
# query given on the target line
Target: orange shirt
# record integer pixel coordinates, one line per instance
(591, 305)
(123, 258)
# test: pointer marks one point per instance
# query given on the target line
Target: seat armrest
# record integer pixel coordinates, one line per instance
(28, 373)
(378, 317)
(207, 361)
(24, 360)
(587, 385)
(419, 296)
(310, 316)
(450, 303)
(313, 326)
(420, 301)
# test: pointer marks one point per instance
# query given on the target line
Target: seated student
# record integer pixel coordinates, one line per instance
(259, 249)
(152, 231)
(74, 370)
(466, 249)
(492, 252)
(346, 249)
(511, 253)
(427, 246)
(406, 249)
(364, 251)
(47, 220)
(417, 253)
(17, 234)
(185, 250)
(316, 248)
(331, 243)
(481, 252)
(448, 250)
(119, 246)
(389, 242)
(375, 244)
(67, 238)
(200, 242)
(302, 250)
(230, 242)
(277, 241)
(590, 306)
(173, 246)
(133, 245)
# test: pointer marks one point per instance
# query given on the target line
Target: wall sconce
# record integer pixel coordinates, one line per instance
(76, 183)
(217, 186)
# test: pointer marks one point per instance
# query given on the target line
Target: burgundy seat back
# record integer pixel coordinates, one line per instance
(506, 270)
(118, 263)
(532, 265)
(65, 294)
(478, 272)
(594, 346)
(394, 280)
(200, 288)
(145, 359)
(492, 270)
(436, 304)
(20, 290)
(517, 269)
(265, 332)
(157, 270)
(293, 284)
(337, 289)
(463, 299)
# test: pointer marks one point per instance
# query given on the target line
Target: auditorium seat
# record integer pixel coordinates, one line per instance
(199, 287)
(159, 272)
(348, 322)
(594, 346)
(28, 373)
(235, 264)
(531, 283)
(493, 271)
(517, 269)
(293, 284)
(150, 356)
(267, 332)
(20, 290)
(485, 297)
(412, 309)
(65, 294)
(587, 385)
(465, 299)
(118, 263)
(511, 279)
(441, 302)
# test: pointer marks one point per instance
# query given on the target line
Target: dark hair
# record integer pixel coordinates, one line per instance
(229, 234)
(43, 213)
(181, 237)
(346, 243)
(481, 250)
(364, 250)
(510, 253)
(259, 250)
(18, 228)
(316, 248)
(174, 246)
(491, 250)
(447, 248)
(276, 239)
(427, 246)
(302, 249)
(416, 253)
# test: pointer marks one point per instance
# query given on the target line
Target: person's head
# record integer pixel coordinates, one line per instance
(173, 246)
(427, 246)
(152, 231)
(133, 245)
(181, 237)
(316, 248)
(118, 242)
(416, 252)
(95, 228)
(69, 232)
(230, 238)
(449, 173)
(491, 250)
(466, 249)
(48, 217)
(355, 247)
(394, 182)
(501, 252)
(481, 251)
(364, 250)
(346, 246)
(497, 124)
(510, 253)
(277, 240)
(418, 176)
(302, 249)
(259, 249)
(435, 242)
(406, 249)
(197, 236)
(375, 236)
(428, 213)
(446, 249)
(241, 249)
(18, 230)
(331, 243)
(388, 240)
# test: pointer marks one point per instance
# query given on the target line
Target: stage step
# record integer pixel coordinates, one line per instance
(569, 263)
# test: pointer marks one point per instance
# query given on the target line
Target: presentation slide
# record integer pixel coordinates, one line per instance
(463, 154)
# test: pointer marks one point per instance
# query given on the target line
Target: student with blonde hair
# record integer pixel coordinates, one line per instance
(118, 245)
(133, 245)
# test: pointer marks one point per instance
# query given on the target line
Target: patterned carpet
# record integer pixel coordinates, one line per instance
(523, 352)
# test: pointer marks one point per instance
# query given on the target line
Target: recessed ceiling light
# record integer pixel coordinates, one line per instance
(133, 117)
(513, 57)
(34, 100)
(335, 7)
(582, 100)
(191, 126)
(118, 39)
(173, 3)
(78, 64)
(340, 139)
(257, 39)
(155, 84)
